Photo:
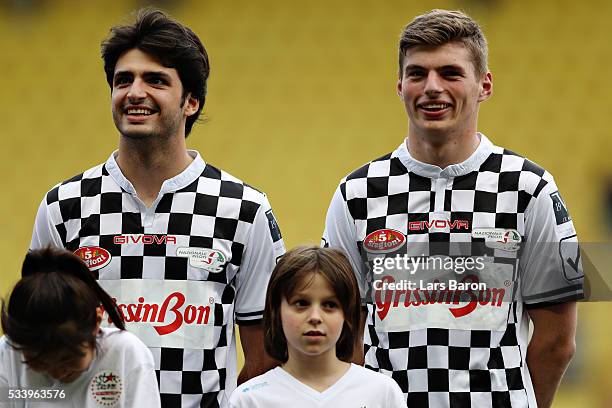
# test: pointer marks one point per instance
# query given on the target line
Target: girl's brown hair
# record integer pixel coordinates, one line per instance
(292, 269)
(52, 308)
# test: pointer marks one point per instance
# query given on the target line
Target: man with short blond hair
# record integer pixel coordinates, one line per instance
(445, 186)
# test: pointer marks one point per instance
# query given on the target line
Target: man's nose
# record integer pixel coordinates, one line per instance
(433, 83)
(137, 90)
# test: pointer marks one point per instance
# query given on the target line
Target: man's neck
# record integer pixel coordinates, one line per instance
(442, 150)
(147, 164)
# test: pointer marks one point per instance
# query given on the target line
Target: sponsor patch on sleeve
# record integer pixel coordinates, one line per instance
(274, 229)
(560, 209)
(569, 251)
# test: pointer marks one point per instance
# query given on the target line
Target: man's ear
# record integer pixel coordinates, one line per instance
(486, 87)
(191, 105)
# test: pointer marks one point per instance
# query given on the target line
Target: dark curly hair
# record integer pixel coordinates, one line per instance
(168, 41)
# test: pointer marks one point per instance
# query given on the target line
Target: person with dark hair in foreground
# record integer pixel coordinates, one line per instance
(52, 339)
(185, 248)
(447, 190)
(312, 315)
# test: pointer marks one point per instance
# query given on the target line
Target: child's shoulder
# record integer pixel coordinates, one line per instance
(260, 382)
(369, 377)
(121, 342)
(256, 392)
(112, 335)
(372, 384)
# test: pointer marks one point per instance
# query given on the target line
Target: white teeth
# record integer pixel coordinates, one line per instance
(139, 112)
(435, 106)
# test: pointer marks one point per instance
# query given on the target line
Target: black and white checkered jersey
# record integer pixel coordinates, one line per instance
(183, 271)
(451, 355)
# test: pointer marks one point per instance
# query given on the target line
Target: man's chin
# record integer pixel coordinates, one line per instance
(135, 134)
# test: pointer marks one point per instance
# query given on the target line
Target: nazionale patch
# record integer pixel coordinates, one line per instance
(384, 240)
(210, 260)
(274, 229)
(499, 238)
(106, 388)
(561, 214)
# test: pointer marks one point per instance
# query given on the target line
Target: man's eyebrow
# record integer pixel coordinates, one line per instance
(119, 74)
(161, 74)
(413, 66)
(448, 66)
(452, 66)
(147, 74)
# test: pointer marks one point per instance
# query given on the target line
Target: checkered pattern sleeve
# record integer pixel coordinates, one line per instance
(340, 233)
(550, 266)
(45, 233)
(264, 246)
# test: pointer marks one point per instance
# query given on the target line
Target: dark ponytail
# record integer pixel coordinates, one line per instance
(53, 306)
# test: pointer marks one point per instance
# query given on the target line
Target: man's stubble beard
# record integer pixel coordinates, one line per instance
(163, 131)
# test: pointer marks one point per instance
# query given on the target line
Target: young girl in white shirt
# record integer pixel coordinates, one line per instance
(54, 352)
(311, 317)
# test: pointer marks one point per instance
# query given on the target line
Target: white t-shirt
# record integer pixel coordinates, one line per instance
(358, 387)
(121, 375)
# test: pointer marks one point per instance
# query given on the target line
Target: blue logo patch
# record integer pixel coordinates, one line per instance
(561, 214)
(274, 229)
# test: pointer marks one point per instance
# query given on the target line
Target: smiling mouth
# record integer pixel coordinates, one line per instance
(433, 107)
(139, 112)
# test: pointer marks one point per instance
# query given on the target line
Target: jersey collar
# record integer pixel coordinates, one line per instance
(472, 163)
(181, 180)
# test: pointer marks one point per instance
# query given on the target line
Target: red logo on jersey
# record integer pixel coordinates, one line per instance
(155, 313)
(384, 240)
(438, 224)
(387, 298)
(146, 239)
(94, 257)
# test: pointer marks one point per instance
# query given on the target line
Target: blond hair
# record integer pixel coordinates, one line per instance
(439, 27)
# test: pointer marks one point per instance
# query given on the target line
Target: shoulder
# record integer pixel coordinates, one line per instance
(5, 348)
(11, 366)
(371, 378)
(116, 342)
(252, 388)
(121, 338)
(372, 172)
(516, 172)
(230, 186)
(83, 184)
